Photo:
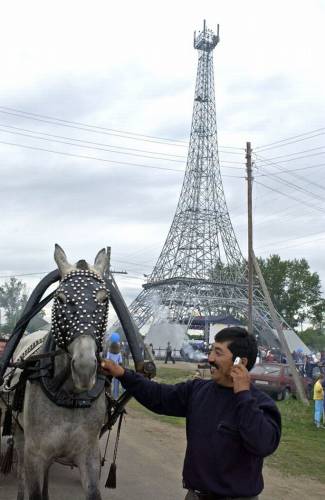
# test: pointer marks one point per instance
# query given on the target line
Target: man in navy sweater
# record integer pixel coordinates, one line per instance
(230, 425)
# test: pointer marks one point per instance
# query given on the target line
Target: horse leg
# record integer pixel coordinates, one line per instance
(19, 444)
(46, 485)
(89, 466)
(35, 469)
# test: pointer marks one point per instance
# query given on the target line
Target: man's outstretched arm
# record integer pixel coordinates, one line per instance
(159, 398)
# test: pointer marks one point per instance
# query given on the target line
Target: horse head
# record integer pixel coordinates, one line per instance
(79, 315)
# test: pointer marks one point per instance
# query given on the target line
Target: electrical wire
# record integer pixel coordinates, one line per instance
(90, 142)
(294, 154)
(281, 141)
(67, 142)
(103, 149)
(292, 239)
(293, 185)
(87, 157)
(98, 129)
(269, 162)
(289, 196)
(298, 158)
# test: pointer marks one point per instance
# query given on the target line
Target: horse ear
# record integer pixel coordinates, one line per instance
(101, 262)
(61, 260)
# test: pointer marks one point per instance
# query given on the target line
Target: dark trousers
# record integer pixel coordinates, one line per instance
(191, 495)
(169, 357)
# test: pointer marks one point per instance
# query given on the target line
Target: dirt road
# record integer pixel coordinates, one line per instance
(149, 467)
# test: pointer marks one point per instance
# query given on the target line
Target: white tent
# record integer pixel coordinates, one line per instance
(295, 343)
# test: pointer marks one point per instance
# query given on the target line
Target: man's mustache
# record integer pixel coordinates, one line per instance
(214, 365)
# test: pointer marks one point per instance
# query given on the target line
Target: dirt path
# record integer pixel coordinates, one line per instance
(149, 467)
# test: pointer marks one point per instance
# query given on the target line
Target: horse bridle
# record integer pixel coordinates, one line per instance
(80, 308)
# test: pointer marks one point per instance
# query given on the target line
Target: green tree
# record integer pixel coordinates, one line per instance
(318, 315)
(13, 298)
(314, 339)
(294, 289)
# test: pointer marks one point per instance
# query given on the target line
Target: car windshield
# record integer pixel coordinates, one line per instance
(266, 370)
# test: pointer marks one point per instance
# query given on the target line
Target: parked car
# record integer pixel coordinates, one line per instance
(276, 380)
(3, 343)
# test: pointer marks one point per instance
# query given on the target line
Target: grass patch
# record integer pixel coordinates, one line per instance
(170, 375)
(302, 448)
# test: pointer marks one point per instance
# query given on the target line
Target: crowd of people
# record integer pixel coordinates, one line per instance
(305, 363)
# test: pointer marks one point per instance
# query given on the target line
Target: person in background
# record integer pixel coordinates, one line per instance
(269, 356)
(323, 385)
(126, 354)
(319, 400)
(114, 354)
(169, 354)
(230, 425)
(152, 351)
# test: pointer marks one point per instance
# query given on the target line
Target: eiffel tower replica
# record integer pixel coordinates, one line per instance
(201, 270)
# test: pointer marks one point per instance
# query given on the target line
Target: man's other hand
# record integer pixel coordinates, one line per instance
(112, 368)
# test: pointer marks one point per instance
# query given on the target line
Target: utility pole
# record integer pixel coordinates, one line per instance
(250, 236)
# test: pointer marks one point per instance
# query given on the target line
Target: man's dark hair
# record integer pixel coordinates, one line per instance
(241, 344)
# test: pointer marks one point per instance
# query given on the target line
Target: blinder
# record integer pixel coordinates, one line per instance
(80, 308)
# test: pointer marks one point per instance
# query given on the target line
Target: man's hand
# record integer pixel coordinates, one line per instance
(112, 368)
(241, 378)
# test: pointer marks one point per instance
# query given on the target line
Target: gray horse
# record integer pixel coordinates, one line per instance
(69, 434)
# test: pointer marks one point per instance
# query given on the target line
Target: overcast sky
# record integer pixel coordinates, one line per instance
(96, 73)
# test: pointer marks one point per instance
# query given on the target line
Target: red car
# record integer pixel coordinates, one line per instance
(3, 343)
(276, 380)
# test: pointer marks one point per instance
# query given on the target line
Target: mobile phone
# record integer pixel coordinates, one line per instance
(237, 360)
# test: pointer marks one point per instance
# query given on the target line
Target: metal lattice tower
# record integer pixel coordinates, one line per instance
(201, 270)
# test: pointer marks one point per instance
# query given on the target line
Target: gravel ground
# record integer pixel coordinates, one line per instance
(149, 467)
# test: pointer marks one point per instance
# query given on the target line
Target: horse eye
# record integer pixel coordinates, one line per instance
(102, 296)
(62, 298)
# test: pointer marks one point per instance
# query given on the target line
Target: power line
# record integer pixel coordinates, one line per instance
(292, 239)
(293, 185)
(287, 182)
(101, 149)
(290, 196)
(294, 170)
(292, 142)
(87, 157)
(283, 171)
(23, 274)
(88, 147)
(290, 138)
(298, 158)
(87, 127)
(99, 129)
(91, 142)
(295, 154)
(297, 244)
(309, 181)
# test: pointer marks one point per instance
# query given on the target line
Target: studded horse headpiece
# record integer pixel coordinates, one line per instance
(80, 308)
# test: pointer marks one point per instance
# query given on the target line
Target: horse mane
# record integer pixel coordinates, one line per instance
(83, 265)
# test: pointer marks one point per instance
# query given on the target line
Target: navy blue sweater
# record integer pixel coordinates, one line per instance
(228, 434)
